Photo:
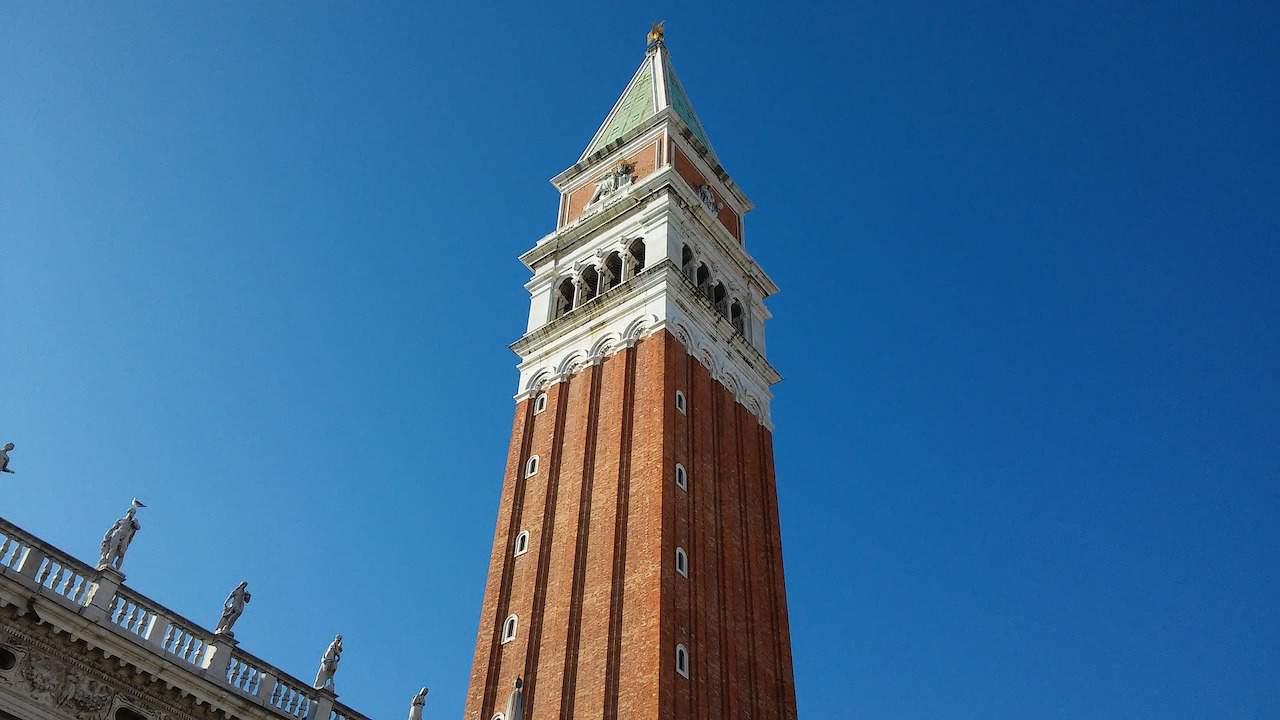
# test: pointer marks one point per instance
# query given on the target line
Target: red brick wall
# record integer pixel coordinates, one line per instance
(644, 160)
(728, 218)
(601, 606)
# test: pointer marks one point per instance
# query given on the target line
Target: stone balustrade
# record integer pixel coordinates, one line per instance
(99, 596)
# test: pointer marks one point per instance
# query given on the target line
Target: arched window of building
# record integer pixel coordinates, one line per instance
(680, 404)
(522, 543)
(718, 294)
(540, 404)
(590, 285)
(531, 466)
(682, 660)
(735, 317)
(682, 562)
(509, 629)
(563, 298)
(636, 250)
(686, 264)
(612, 270)
(682, 477)
(702, 278)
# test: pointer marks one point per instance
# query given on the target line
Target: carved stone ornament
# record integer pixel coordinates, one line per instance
(70, 680)
(708, 198)
(56, 683)
(620, 177)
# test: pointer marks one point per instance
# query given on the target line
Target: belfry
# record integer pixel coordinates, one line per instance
(636, 569)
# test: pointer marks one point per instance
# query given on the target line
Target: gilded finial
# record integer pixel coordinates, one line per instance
(656, 34)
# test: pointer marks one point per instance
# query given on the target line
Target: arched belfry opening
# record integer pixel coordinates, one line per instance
(686, 264)
(702, 279)
(636, 251)
(736, 317)
(563, 298)
(590, 285)
(612, 270)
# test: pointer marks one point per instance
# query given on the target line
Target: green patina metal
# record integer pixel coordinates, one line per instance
(638, 105)
(684, 109)
(644, 97)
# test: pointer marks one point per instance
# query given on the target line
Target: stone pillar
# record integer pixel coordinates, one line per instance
(106, 583)
(323, 706)
(217, 656)
(30, 565)
(266, 687)
(157, 632)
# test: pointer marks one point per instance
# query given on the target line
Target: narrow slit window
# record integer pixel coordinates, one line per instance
(682, 660)
(682, 477)
(522, 543)
(682, 562)
(540, 404)
(509, 629)
(531, 467)
(680, 403)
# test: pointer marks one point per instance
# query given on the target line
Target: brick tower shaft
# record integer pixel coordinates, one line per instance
(636, 569)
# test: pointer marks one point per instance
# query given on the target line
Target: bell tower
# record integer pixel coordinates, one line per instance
(636, 569)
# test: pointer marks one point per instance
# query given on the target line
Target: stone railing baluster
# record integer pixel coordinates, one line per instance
(99, 596)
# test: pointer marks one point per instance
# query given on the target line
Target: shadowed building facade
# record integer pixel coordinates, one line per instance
(636, 569)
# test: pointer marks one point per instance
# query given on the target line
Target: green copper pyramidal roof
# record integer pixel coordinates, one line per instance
(653, 88)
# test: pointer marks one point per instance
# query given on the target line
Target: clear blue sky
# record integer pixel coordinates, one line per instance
(257, 266)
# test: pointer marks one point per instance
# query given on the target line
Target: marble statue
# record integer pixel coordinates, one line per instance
(329, 664)
(708, 198)
(4, 457)
(515, 701)
(415, 707)
(116, 542)
(612, 181)
(232, 609)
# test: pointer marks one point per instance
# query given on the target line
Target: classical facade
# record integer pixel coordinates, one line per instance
(636, 568)
(76, 643)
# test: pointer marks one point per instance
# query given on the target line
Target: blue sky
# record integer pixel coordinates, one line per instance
(257, 267)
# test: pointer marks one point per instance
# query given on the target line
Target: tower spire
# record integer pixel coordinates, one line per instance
(654, 88)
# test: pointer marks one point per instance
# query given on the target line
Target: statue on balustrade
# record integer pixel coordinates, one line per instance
(116, 542)
(415, 707)
(515, 701)
(4, 458)
(329, 664)
(232, 609)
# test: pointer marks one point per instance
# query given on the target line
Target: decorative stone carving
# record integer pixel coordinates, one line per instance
(72, 681)
(55, 683)
(708, 198)
(232, 609)
(4, 457)
(613, 181)
(416, 705)
(329, 664)
(85, 696)
(116, 542)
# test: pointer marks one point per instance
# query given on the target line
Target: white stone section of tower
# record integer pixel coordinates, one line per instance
(649, 236)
